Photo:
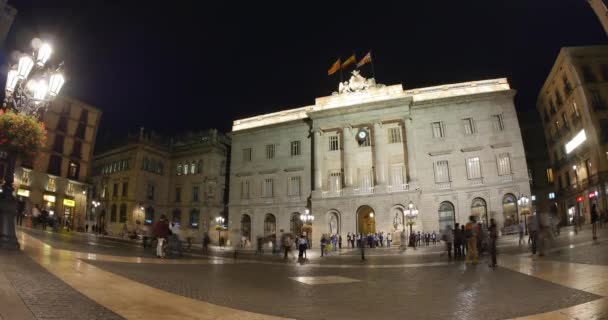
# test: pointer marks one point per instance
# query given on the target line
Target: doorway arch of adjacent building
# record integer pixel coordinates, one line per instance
(270, 225)
(479, 209)
(366, 220)
(509, 209)
(246, 227)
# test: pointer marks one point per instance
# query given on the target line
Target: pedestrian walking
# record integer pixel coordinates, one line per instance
(456, 235)
(520, 229)
(533, 229)
(471, 237)
(323, 244)
(594, 221)
(448, 238)
(463, 242)
(161, 232)
(206, 241)
(20, 211)
(493, 230)
(302, 246)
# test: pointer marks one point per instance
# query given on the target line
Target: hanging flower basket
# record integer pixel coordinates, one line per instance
(21, 134)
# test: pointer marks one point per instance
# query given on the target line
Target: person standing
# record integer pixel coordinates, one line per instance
(520, 228)
(533, 229)
(389, 239)
(471, 236)
(362, 247)
(323, 243)
(206, 241)
(594, 220)
(381, 239)
(20, 211)
(448, 237)
(493, 231)
(463, 241)
(161, 232)
(456, 235)
(434, 237)
(340, 241)
(302, 246)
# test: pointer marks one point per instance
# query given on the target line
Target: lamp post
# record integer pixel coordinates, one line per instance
(523, 203)
(220, 221)
(31, 85)
(411, 213)
(306, 219)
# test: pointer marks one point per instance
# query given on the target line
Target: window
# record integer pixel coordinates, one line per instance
(73, 170)
(70, 188)
(270, 151)
(270, 225)
(365, 178)
(178, 194)
(295, 148)
(62, 125)
(77, 149)
(113, 213)
(115, 190)
(179, 169)
(245, 189)
(80, 130)
(267, 186)
(177, 216)
(550, 175)
(58, 143)
(558, 98)
(588, 167)
(334, 143)
(50, 184)
(123, 213)
(397, 175)
(504, 164)
(588, 74)
(473, 168)
(469, 126)
(437, 130)
(195, 193)
(193, 167)
(25, 177)
(84, 115)
(150, 191)
(246, 154)
(497, 122)
(446, 215)
(442, 171)
(199, 166)
(125, 188)
(567, 86)
(335, 181)
(194, 218)
(565, 120)
(596, 99)
(294, 186)
(394, 135)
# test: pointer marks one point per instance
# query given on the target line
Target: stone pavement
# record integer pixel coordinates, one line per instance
(129, 283)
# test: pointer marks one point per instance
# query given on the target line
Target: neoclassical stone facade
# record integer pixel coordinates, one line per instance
(356, 160)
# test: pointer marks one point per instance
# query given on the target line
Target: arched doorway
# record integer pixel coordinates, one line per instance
(479, 209)
(366, 220)
(446, 215)
(295, 223)
(246, 227)
(270, 225)
(509, 209)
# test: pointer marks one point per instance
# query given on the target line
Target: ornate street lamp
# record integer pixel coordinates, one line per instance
(31, 85)
(220, 225)
(411, 213)
(523, 203)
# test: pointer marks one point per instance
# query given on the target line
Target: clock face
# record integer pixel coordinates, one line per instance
(362, 134)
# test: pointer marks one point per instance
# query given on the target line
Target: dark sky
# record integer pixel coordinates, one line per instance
(186, 65)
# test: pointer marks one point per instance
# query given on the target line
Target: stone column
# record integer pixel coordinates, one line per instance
(318, 159)
(379, 154)
(410, 148)
(347, 140)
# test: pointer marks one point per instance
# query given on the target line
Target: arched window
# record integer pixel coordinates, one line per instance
(246, 226)
(295, 225)
(113, 213)
(446, 215)
(123, 213)
(270, 225)
(194, 218)
(509, 209)
(479, 209)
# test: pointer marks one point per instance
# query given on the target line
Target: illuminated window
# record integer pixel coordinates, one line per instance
(70, 188)
(50, 185)
(25, 177)
(504, 164)
(550, 177)
(473, 168)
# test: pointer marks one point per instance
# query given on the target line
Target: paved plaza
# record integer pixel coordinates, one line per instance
(80, 276)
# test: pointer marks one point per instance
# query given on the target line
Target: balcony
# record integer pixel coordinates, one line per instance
(364, 190)
(476, 182)
(505, 178)
(332, 194)
(294, 199)
(398, 188)
(443, 185)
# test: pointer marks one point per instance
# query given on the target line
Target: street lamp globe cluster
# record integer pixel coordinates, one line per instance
(306, 217)
(411, 213)
(32, 83)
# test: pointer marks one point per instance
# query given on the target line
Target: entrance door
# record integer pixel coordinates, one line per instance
(366, 220)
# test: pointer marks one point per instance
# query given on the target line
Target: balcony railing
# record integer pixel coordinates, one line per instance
(443, 185)
(363, 190)
(294, 199)
(506, 178)
(398, 187)
(332, 194)
(476, 182)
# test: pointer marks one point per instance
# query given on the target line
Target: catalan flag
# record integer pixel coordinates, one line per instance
(334, 67)
(349, 61)
(364, 60)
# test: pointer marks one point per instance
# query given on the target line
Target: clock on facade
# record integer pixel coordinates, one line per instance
(362, 135)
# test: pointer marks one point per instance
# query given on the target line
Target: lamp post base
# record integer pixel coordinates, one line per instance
(8, 237)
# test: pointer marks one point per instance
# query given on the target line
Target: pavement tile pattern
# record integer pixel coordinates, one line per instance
(47, 296)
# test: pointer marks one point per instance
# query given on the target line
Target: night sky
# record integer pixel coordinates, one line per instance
(175, 66)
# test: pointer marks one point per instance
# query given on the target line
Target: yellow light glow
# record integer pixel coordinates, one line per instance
(578, 139)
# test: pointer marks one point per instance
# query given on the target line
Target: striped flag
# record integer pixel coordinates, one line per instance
(364, 60)
(349, 61)
(334, 67)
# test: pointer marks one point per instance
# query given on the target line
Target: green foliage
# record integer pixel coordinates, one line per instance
(21, 134)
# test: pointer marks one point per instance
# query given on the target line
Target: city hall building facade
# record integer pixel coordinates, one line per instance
(357, 159)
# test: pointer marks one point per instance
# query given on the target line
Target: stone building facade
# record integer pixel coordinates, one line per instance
(574, 108)
(148, 175)
(357, 159)
(57, 179)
